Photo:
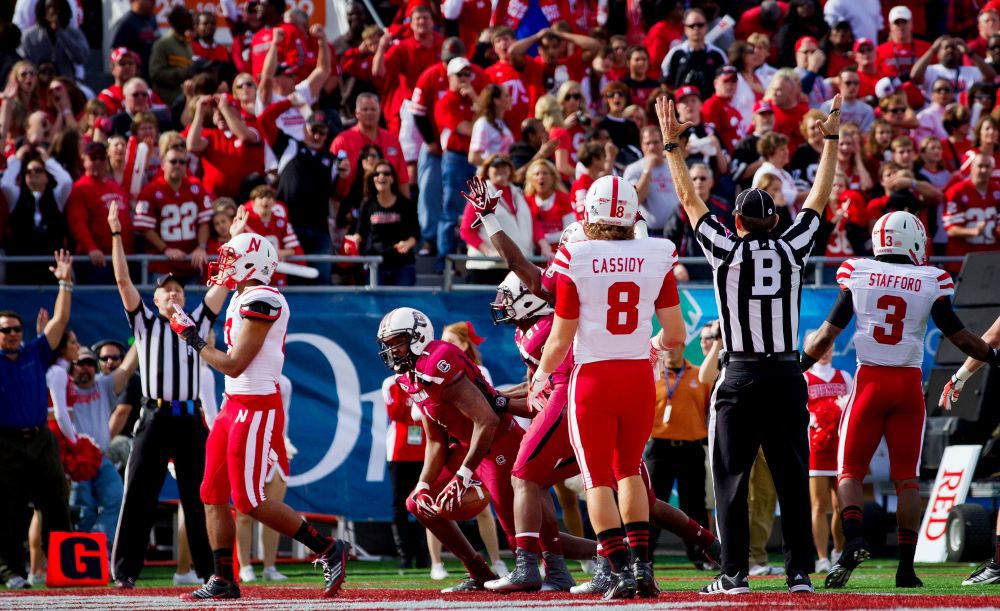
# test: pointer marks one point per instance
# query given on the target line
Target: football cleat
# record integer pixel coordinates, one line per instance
(908, 580)
(334, 563)
(469, 584)
(188, 579)
(524, 578)
(271, 573)
(724, 584)
(712, 553)
(798, 583)
(623, 585)
(645, 582)
(557, 576)
(18, 583)
(855, 552)
(601, 581)
(986, 573)
(217, 588)
(125, 583)
(823, 565)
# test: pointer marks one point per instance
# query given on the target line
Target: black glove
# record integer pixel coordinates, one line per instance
(806, 361)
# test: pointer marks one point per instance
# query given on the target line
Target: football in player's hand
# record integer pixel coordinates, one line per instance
(476, 498)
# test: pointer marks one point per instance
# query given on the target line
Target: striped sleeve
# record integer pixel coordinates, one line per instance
(716, 241)
(145, 217)
(801, 234)
(946, 284)
(844, 274)
(560, 264)
(953, 215)
(206, 212)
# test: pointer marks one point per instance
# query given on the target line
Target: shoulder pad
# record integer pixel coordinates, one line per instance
(262, 307)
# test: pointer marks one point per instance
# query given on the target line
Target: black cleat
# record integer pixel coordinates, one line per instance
(645, 582)
(334, 563)
(217, 588)
(557, 575)
(798, 583)
(908, 580)
(469, 584)
(601, 580)
(986, 573)
(855, 552)
(724, 584)
(622, 585)
(125, 583)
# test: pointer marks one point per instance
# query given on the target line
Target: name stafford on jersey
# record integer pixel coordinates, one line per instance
(906, 283)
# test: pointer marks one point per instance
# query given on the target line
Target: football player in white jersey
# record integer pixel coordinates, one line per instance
(240, 446)
(608, 289)
(892, 296)
(987, 572)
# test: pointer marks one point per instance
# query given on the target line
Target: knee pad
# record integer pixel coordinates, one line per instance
(907, 485)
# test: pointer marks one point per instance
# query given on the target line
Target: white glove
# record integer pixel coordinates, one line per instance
(536, 390)
(952, 390)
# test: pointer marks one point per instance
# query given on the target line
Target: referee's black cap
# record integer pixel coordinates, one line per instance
(755, 203)
(165, 278)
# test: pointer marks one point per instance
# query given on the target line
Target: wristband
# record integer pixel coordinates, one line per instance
(671, 146)
(115, 233)
(656, 343)
(490, 224)
(66, 286)
(422, 486)
(832, 137)
(963, 374)
(465, 473)
(541, 375)
(500, 404)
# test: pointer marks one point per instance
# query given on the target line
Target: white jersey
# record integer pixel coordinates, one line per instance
(892, 303)
(264, 303)
(618, 283)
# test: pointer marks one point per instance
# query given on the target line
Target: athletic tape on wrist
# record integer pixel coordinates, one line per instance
(491, 224)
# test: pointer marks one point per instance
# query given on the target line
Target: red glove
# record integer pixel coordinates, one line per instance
(483, 202)
(183, 326)
(450, 498)
(421, 497)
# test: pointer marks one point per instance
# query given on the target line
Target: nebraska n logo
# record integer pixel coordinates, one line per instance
(242, 416)
(254, 245)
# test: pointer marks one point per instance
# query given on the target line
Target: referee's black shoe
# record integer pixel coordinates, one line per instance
(217, 588)
(724, 584)
(334, 563)
(855, 552)
(799, 583)
(645, 582)
(622, 585)
(908, 580)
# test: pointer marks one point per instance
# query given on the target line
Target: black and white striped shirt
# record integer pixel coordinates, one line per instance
(168, 368)
(758, 282)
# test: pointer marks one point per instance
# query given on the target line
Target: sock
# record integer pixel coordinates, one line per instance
(308, 536)
(638, 539)
(853, 519)
(223, 559)
(907, 548)
(549, 538)
(695, 533)
(613, 548)
(528, 542)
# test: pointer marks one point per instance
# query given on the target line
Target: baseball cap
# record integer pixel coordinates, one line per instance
(804, 40)
(86, 354)
(499, 160)
(887, 86)
(95, 149)
(165, 278)
(458, 64)
(900, 12)
(729, 73)
(762, 106)
(685, 91)
(862, 42)
(317, 119)
(755, 203)
(119, 52)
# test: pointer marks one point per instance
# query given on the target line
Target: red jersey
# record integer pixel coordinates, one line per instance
(450, 111)
(660, 38)
(228, 160)
(210, 52)
(866, 86)
(242, 46)
(433, 84)
(473, 17)
(357, 62)
(720, 113)
(894, 59)
(175, 215)
(525, 88)
(87, 215)
(291, 50)
(404, 439)
(277, 230)
(569, 141)
(578, 194)
(352, 141)
(968, 207)
(787, 121)
(404, 62)
(312, 58)
(855, 211)
(530, 343)
(551, 214)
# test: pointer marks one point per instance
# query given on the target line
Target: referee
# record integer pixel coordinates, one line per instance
(759, 400)
(170, 423)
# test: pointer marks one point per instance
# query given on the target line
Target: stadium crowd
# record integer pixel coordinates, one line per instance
(362, 145)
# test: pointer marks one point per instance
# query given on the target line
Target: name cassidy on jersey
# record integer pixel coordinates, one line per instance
(617, 265)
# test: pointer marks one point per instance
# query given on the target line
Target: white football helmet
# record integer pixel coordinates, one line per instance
(574, 232)
(611, 200)
(900, 233)
(248, 256)
(515, 302)
(411, 324)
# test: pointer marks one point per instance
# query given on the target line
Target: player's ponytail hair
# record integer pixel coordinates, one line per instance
(600, 231)
(467, 334)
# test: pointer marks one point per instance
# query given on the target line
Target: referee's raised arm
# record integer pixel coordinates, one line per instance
(819, 195)
(671, 128)
(127, 290)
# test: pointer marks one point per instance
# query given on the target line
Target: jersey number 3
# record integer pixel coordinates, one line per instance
(623, 308)
(894, 307)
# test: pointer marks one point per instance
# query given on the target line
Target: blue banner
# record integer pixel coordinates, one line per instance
(337, 417)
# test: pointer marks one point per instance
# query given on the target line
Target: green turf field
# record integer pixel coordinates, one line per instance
(873, 577)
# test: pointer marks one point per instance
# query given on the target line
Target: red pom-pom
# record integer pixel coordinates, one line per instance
(81, 460)
(823, 432)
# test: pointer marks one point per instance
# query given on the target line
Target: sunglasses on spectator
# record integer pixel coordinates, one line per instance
(177, 146)
(245, 85)
(850, 83)
(140, 94)
(373, 155)
(87, 362)
(465, 74)
(615, 94)
(177, 161)
(382, 173)
(110, 357)
(27, 73)
(943, 90)
(574, 96)
(865, 49)
(897, 111)
(618, 48)
(699, 178)
(6, 330)
(696, 25)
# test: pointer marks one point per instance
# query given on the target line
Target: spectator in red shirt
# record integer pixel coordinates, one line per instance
(663, 34)
(597, 161)
(957, 119)
(173, 213)
(985, 139)
(356, 64)
(988, 24)
(719, 112)
(203, 45)
(87, 213)
(549, 201)
(971, 216)
(639, 79)
(766, 18)
(124, 67)
(243, 25)
(784, 95)
(618, 60)
(523, 79)
(229, 149)
(269, 218)
(290, 46)
(570, 134)
(367, 110)
(896, 56)
(454, 116)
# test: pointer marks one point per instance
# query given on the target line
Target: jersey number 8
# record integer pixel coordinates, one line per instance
(623, 310)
